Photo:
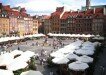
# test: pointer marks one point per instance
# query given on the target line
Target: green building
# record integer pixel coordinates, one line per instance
(92, 7)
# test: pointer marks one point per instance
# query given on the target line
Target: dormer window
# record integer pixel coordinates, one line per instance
(18, 16)
(2, 15)
(5, 15)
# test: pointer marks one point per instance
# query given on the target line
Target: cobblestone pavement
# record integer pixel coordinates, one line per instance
(37, 49)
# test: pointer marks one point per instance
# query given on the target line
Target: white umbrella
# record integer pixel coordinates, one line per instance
(83, 35)
(66, 50)
(16, 52)
(72, 47)
(23, 58)
(22, 37)
(28, 54)
(16, 65)
(73, 35)
(85, 59)
(6, 72)
(78, 66)
(72, 56)
(88, 48)
(88, 35)
(87, 43)
(99, 38)
(96, 43)
(4, 39)
(30, 72)
(5, 59)
(61, 60)
(57, 54)
(37, 35)
(84, 52)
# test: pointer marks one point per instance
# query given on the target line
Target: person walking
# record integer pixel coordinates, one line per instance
(18, 48)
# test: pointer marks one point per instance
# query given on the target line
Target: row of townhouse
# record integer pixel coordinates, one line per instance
(90, 21)
(15, 21)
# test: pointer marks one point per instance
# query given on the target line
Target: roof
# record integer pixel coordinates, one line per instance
(60, 9)
(81, 13)
(89, 11)
(47, 17)
(99, 10)
(24, 14)
(23, 10)
(7, 8)
(56, 14)
(74, 13)
(65, 15)
(92, 7)
(16, 13)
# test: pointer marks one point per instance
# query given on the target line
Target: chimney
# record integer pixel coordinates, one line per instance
(87, 4)
(104, 10)
(94, 10)
(23, 10)
(78, 10)
(60, 9)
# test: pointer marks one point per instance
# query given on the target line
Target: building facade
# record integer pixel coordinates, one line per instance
(90, 21)
(71, 22)
(98, 21)
(21, 26)
(4, 24)
(47, 25)
(35, 26)
(55, 19)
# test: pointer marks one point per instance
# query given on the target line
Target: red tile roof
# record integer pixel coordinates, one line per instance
(89, 11)
(58, 11)
(16, 13)
(65, 15)
(24, 14)
(81, 13)
(68, 13)
(13, 13)
(74, 13)
(7, 8)
(99, 10)
(56, 14)
(47, 17)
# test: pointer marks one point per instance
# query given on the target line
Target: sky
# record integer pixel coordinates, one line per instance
(44, 7)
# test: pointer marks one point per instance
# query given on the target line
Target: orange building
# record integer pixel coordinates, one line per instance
(4, 24)
(55, 19)
(13, 27)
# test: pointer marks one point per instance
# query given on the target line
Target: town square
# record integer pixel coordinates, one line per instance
(44, 38)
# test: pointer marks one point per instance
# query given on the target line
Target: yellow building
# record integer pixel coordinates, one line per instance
(21, 26)
(4, 24)
(30, 25)
(35, 26)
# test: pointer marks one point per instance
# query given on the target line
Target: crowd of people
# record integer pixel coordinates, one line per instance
(43, 54)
